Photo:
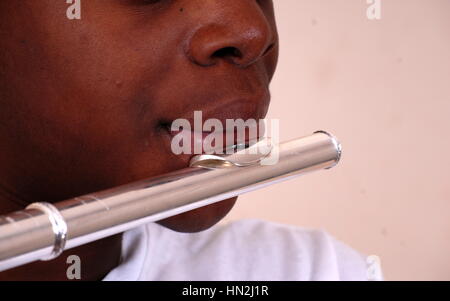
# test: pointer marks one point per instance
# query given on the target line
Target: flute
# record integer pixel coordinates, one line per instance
(42, 231)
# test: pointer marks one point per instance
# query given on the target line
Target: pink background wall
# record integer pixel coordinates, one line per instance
(383, 88)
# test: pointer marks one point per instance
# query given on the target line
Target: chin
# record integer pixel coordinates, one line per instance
(199, 219)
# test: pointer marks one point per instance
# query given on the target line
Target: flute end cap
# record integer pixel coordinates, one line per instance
(336, 144)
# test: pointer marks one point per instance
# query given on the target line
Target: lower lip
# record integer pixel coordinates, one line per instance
(198, 139)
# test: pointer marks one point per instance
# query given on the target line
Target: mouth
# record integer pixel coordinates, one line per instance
(220, 131)
(218, 142)
(252, 105)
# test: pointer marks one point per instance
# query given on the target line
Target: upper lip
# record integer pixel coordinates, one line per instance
(250, 107)
(238, 109)
(245, 108)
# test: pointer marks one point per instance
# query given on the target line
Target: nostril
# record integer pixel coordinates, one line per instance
(271, 46)
(227, 52)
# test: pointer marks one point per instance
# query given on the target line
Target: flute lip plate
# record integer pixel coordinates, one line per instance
(337, 145)
(250, 156)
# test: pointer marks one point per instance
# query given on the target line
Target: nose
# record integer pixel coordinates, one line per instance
(240, 34)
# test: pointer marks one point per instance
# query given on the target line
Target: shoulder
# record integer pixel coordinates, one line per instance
(254, 249)
(314, 253)
(248, 249)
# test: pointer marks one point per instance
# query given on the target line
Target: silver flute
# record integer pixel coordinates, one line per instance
(42, 231)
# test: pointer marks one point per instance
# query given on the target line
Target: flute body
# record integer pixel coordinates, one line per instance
(42, 231)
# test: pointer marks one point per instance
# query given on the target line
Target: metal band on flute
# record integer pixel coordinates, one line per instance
(59, 227)
(42, 231)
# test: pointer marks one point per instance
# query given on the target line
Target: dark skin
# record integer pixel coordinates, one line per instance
(85, 103)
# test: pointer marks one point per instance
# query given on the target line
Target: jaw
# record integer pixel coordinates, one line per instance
(199, 219)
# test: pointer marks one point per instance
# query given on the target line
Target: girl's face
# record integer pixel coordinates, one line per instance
(85, 103)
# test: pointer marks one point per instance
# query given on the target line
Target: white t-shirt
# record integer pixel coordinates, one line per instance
(250, 250)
